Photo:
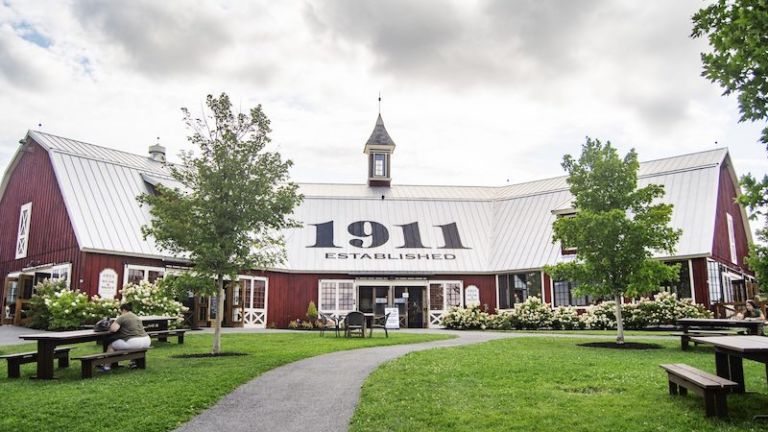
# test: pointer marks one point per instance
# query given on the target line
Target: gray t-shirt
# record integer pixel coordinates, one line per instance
(130, 326)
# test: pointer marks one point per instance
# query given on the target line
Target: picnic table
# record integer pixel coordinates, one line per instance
(47, 342)
(753, 327)
(731, 350)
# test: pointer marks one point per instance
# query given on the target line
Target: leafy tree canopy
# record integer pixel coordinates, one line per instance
(235, 198)
(737, 31)
(616, 228)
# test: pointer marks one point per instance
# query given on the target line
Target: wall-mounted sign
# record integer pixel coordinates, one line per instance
(472, 296)
(370, 234)
(393, 320)
(107, 283)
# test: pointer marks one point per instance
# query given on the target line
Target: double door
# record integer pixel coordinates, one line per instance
(409, 301)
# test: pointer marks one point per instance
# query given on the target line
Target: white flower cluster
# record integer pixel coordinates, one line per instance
(150, 299)
(55, 307)
(534, 314)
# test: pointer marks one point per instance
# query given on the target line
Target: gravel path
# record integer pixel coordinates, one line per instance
(323, 390)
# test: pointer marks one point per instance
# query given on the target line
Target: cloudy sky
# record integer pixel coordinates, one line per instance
(474, 92)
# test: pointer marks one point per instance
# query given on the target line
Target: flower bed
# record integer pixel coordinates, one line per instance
(534, 314)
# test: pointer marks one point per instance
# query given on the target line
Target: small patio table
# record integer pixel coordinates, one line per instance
(729, 352)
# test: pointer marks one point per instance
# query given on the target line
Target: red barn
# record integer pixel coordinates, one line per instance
(68, 210)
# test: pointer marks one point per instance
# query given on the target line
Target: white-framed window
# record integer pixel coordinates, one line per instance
(336, 296)
(731, 238)
(442, 296)
(54, 273)
(134, 274)
(22, 239)
(379, 165)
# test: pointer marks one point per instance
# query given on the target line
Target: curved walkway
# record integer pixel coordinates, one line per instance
(318, 393)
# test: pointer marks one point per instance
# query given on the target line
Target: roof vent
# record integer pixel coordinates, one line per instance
(157, 152)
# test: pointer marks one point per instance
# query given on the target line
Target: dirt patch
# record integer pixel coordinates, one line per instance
(624, 346)
(208, 355)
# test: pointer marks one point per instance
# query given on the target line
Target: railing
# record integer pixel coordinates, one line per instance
(728, 310)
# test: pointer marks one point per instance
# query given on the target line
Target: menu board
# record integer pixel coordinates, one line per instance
(472, 296)
(393, 321)
(107, 283)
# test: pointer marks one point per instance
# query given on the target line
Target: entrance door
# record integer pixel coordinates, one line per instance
(410, 304)
(255, 312)
(415, 307)
(373, 299)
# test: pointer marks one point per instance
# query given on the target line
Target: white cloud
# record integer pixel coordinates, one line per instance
(474, 92)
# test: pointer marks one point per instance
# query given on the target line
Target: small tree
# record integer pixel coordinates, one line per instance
(235, 199)
(737, 31)
(615, 230)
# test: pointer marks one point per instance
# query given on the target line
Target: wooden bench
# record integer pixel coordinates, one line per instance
(162, 335)
(89, 362)
(16, 360)
(713, 388)
(685, 337)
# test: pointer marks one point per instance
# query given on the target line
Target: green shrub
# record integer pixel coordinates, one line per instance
(469, 318)
(40, 315)
(150, 299)
(533, 314)
(567, 318)
(312, 311)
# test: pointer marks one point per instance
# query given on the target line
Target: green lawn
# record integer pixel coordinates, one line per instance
(547, 384)
(169, 392)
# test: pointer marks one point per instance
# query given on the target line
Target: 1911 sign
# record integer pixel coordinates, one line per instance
(378, 235)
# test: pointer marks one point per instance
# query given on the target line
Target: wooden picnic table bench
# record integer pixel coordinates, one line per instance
(685, 336)
(89, 362)
(713, 388)
(162, 335)
(16, 360)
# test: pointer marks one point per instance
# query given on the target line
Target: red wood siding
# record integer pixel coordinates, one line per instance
(51, 236)
(289, 295)
(546, 288)
(486, 284)
(94, 263)
(726, 196)
(700, 284)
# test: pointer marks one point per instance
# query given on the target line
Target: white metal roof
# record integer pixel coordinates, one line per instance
(504, 228)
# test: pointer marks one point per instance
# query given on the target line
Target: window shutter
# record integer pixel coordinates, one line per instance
(23, 235)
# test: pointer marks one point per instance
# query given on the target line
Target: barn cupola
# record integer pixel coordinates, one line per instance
(379, 149)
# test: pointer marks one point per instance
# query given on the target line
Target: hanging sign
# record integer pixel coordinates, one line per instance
(107, 284)
(472, 296)
(393, 321)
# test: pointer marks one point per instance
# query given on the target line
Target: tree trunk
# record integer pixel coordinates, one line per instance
(219, 315)
(619, 321)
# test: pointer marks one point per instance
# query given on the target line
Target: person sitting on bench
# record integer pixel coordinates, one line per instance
(129, 332)
(752, 312)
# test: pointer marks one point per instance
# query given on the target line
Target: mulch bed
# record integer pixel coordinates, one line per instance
(624, 346)
(208, 355)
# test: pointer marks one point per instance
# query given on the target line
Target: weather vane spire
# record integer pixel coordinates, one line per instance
(379, 102)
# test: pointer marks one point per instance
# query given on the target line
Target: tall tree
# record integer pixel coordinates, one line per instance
(615, 230)
(235, 198)
(737, 31)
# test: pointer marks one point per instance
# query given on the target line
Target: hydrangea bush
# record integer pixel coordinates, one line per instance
(534, 314)
(471, 318)
(150, 299)
(567, 318)
(55, 307)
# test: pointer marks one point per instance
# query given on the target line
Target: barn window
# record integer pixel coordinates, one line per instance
(564, 295)
(337, 296)
(379, 165)
(731, 238)
(516, 287)
(135, 274)
(22, 239)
